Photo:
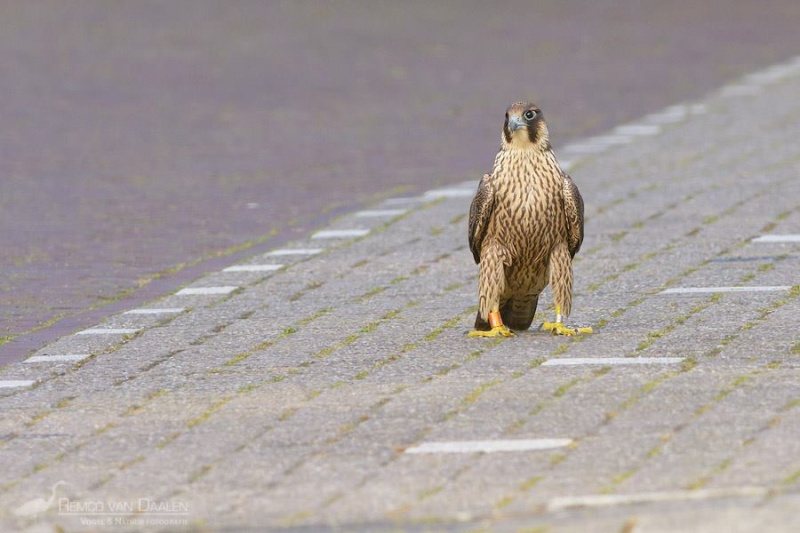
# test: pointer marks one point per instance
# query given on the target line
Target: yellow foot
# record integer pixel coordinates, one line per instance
(557, 328)
(497, 331)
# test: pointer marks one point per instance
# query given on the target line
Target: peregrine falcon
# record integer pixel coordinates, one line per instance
(525, 226)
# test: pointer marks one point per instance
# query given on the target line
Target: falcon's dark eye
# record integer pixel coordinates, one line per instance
(529, 114)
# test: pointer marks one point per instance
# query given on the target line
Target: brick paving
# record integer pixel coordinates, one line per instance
(289, 401)
(147, 143)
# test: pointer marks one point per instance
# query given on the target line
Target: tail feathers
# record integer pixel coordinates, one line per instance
(481, 324)
(517, 313)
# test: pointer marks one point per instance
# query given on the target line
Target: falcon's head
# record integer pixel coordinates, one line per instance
(525, 127)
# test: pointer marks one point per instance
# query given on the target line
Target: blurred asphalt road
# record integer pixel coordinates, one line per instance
(141, 140)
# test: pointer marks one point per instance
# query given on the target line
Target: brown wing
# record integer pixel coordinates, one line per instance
(573, 206)
(480, 213)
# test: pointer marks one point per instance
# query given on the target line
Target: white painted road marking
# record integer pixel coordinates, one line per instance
(740, 90)
(489, 446)
(608, 500)
(339, 233)
(225, 289)
(698, 109)
(773, 74)
(67, 357)
(449, 193)
(777, 238)
(637, 129)
(368, 213)
(296, 251)
(14, 383)
(586, 148)
(601, 143)
(155, 311)
(401, 200)
(252, 268)
(574, 361)
(669, 115)
(704, 290)
(108, 331)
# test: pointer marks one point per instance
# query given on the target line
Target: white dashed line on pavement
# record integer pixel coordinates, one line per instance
(401, 200)
(586, 148)
(608, 500)
(626, 133)
(295, 251)
(108, 331)
(449, 193)
(611, 140)
(698, 109)
(777, 238)
(706, 290)
(155, 311)
(371, 213)
(575, 361)
(15, 383)
(595, 145)
(773, 74)
(60, 358)
(489, 446)
(741, 90)
(339, 233)
(669, 115)
(252, 268)
(637, 129)
(225, 289)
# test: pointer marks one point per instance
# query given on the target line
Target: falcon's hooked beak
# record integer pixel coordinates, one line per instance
(515, 122)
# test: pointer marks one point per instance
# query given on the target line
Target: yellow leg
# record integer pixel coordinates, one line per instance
(498, 328)
(558, 328)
